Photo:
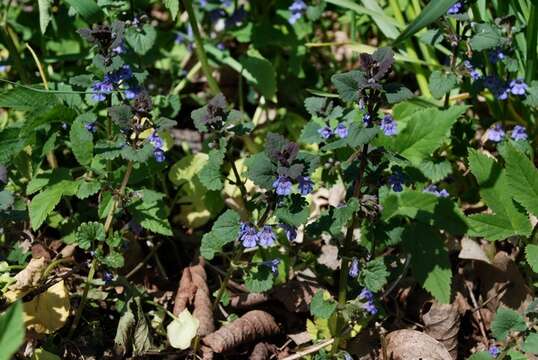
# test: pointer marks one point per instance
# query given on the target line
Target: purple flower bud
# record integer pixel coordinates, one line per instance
(248, 235)
(290, 231)
(325, 132)
(273, 265)
(496, 133)
(158, 154)
(341, 131)
(519, 133)
(282, 185)
(494, 351)
(396, 181)
(455, 9)
(433, 189)
(354, 268)
(518, 87)
(266, 236)
(388, 125)
(305, 185)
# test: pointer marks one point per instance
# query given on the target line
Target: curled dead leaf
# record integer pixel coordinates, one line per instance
(442, 322)
(295, 295)
(30, 275)
(243, 301)
(262, 351)
(412, 345)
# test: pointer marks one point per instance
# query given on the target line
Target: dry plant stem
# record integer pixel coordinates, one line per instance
(93, 265)
(503, 289)
(344, 268)
(310, 350)
(200, 52)
(481, 320)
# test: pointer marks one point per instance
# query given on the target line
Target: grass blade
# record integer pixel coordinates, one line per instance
(387, 28)
(431, 12)
(532, 42)
(348, 4)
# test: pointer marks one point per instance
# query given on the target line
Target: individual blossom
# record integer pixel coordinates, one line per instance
(519, 133)
(325, 132)
(158, 154)
(354, 268)
(455, 9)
(496, 55)
(473, 73)
(90, 127)
(156, 140)
(108, 277)
(518, 87)
(496, 133)
(273, 265)
(501, 93)
(494, 351)
(266, 236)
(368, 297)
(367, 120)
(433, 189)
(396, 181)
(388, 125)
(248, 235)
(305, 185)
(282, 185)
(341, 131)
(297, 9)
(289, 231)
(100, 89)
(131, 92)
(370, 307)
(497, 87)
(366, 294)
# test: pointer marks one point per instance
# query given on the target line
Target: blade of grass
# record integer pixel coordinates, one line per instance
(387, 28)
(532, 42)
(348, 4)
(432, 11)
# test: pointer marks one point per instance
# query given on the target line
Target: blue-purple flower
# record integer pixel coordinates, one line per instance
(325, 132)
(455, 9)
(496, 133)
(90, 127)
(496, 55)
(368, 297)
(297, 9)
(100, 89)
(435, 190)
(475, 74)
(367, 120)
(305, 185)
(290, 231)
(388, 125)
(108, 277)
(494, 351)
(158, 154)
(266, 236)
(519, 133)
(156, 140)
(354, 268)
(248, 235)
(396, 181)
(131, 92)
(282, 185)
(341, 131)
(273, 265)
(518, 87)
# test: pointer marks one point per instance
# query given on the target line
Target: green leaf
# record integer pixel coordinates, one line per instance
(440, 84)
(27, 100)
(374, 275)
(259, 279)
(487, 37)
(342, 216)
(88, 9)
(43, 203)
(375, 13)
(522, 178)
(81, 142)
(210, 175)
(497, 193)
(426, 130)
(44, 14)
(88, 188)
(435, 171)
(89, 232)
(150, 212)
(322, 305)
(6, 199)
(114, 260)
(261, 170)
(531, 343)
(137, 155)
(516, 355)
(532, 95)
(121, 115)
(262, 72)
(383, 22)
(429, 260)
(348, 84)
(12, 331)
(531, 254)
(294, 210)
(141, 40)
(310, 134)
(506, 320)
(173, 7)
(224, 231)
(482, 355)
(434, 10)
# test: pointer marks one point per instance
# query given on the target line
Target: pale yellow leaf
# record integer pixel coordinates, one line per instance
(182, 330)
(48, 311)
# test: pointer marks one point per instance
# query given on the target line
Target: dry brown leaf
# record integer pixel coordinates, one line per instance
(295, 295)
(471, 250)
(243, 301)
(30, 275)
(255, 324)
(412, 345)
(185, 292)
(262, 351)
(207, 353)
(300, 338)
(203, 312)
(442, 322)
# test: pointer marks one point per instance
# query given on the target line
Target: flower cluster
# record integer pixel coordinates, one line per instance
(502, 89)
(435, 190)
(250, 236)
(283, 185)
(113, 81)
(494, 351)
(340, 131)
(368, 297)
(158, 145)
(297, 9)
(496, 133)
(457, 8)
